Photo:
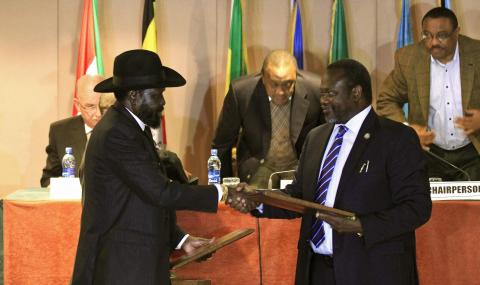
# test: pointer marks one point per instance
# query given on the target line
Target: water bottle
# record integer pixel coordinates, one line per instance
(214, 166)
(68, 163)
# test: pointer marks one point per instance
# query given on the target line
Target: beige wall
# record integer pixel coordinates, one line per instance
(38, 46)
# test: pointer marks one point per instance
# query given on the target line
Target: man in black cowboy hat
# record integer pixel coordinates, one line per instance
(128, 226)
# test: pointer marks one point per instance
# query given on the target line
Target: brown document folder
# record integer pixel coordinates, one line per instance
(281, 200)
(210, 248)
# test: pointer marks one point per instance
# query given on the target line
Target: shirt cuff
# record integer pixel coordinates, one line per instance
(220, 191)
(260, 208)
(179, 245)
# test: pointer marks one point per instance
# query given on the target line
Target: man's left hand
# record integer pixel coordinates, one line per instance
(471, 122)
(341, 224)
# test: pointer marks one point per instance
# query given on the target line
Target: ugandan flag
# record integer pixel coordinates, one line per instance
(90, 60)
(149, 30)
(149, 42)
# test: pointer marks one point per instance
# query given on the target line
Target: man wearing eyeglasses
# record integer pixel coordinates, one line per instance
(267, 116)
(440, 81)
(73, 131)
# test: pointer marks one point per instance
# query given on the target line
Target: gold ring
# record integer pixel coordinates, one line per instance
(352, 218)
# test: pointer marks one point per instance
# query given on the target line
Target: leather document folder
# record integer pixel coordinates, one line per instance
(210, 248)
(281, 200)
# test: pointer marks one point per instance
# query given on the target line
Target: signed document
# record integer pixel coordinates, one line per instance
(210, 248)
(281, 200)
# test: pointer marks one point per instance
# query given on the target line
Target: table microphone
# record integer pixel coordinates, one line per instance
(277, 173)
(449, 164)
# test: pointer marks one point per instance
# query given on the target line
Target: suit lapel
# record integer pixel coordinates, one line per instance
(422, 73)
(361, 142)
(77, 131)
(299, 111)
(467, 72)
(316, 153)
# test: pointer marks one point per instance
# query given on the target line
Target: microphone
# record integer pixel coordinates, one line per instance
(449, 164)
(278, 173)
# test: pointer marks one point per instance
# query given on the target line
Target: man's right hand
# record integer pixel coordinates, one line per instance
(426, 137)
(237, 199)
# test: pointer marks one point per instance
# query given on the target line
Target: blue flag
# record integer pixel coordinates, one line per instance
(405, 35)
(296, 35)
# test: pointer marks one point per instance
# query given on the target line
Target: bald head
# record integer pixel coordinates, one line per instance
(279, 74)
(87, 100)
(279, 59)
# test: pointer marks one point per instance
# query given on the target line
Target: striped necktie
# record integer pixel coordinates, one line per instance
(318, 233)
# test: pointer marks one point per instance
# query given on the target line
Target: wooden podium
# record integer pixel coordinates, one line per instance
(176, 281)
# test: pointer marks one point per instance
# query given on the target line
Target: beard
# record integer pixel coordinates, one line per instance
(151, 118)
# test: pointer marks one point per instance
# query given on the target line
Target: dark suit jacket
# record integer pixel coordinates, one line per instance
(392, 199)
(245, 121)
(409, 82)
(63, 133)
(128, 226)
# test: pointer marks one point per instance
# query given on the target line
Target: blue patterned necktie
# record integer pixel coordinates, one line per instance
(318, 233)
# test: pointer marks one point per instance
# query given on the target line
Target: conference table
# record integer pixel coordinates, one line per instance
(40, 236)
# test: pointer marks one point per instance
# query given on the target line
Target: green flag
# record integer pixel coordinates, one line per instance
(338, 44)
(237, 53)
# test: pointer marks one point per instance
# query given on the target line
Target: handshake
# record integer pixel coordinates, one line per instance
(236, 197)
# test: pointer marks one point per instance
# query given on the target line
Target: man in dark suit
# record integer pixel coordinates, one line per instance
(367, 165)
(73, 131)
(266, 117)
(128, 227)
(440, 80)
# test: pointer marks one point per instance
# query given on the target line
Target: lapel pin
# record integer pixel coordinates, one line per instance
(366, 136)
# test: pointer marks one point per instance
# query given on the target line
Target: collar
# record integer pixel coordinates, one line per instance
(355, 123)
(139, 122)
(87, 129)
(456, 56)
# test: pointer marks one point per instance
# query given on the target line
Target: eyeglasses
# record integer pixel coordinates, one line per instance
(89, 108)
(328, 94)
(440, 36)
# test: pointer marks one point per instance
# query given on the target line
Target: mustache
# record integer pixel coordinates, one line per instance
(440, 47)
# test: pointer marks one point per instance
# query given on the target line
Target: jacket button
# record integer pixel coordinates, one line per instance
(248, 176)
(262, 161)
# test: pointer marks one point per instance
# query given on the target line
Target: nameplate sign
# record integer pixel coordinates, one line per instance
(62, 188)
(455, 190)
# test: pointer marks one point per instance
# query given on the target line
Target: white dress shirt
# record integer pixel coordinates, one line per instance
(446, 103)
(353, 127)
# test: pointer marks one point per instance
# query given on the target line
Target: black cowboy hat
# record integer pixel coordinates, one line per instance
(139, 69)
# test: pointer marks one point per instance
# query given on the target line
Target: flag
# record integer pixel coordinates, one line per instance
(338, 44)
(90, 60)
(445, 3)
(149, 42)
(296, 35)
(405, 35)
(237, 52)
(405, 29)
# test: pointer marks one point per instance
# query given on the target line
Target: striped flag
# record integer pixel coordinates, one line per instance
(338, 44)
(405, 35)
(90, 60)
(405, 29)
(149, 42)
(296, 35)
(237, 52)
(446, 3)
